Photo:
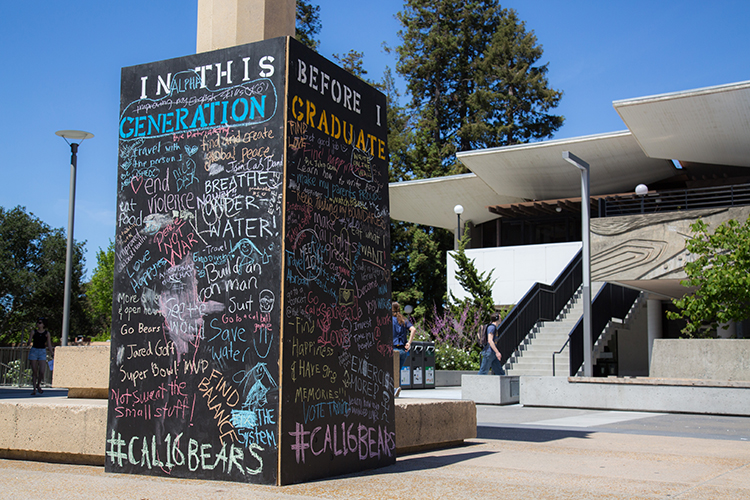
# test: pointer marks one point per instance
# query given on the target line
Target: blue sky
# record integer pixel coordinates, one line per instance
(61, 70)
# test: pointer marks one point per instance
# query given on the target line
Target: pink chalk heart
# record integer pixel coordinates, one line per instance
(135, 183)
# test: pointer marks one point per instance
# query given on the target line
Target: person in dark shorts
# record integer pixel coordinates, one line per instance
(41, 345)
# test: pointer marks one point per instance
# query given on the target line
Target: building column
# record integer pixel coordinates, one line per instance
(654, 324)
(228, 23)
(728, 331)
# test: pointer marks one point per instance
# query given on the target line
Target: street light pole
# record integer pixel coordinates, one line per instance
(81, 136)
(586, 244)
(641, 190)
(458, 210)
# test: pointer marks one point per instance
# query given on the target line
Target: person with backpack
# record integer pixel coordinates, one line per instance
(491, 357)
(401, 327)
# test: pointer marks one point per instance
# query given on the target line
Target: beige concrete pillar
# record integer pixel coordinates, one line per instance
(227, 23)
(654, 322)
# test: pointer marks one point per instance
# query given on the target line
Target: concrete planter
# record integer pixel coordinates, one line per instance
(450, 378)
(490, 389)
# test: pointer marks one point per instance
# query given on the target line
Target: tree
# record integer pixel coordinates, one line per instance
(472, 73)
(308, 23)
(353, 62)
(474, 81)
(100, 290)
(477, 285)
(418, 253)
(720, 274)
(418, 263)
(32, 277)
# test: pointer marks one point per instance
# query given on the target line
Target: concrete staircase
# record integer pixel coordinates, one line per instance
(534, 355)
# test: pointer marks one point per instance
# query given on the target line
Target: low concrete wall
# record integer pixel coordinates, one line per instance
(708, 359)
(490, 389)
(429, 423)
(83, 370)
(74, 431)
(647, 394)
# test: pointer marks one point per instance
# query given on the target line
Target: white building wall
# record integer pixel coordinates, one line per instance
(515, 269)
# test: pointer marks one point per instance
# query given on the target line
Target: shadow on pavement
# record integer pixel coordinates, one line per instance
(9, 392)
(408, 463)
(528, 435)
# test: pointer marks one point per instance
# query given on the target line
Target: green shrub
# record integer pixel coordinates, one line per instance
(14, 370)
(448, 357)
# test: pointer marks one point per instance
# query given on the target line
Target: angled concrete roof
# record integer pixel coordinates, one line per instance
(537, 171)
(431, 201)
(706, 126)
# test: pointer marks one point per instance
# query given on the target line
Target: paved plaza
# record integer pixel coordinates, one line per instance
(519, 452)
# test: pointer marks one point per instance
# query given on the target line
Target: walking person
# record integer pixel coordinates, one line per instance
(41, 345)
(491, 357)
(401, 326)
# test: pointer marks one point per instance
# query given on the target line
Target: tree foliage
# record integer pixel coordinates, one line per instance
(32, 277)
(353, 62)
(418, 263)
(720, 274)
(308, 23)
(100, 290)
(477, 285)
(474, 80)
(473, 75)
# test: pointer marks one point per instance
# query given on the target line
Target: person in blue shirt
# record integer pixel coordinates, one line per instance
(401, 326)
(491, 357)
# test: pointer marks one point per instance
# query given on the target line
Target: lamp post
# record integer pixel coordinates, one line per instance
(80, 136)
(641, 190)
(586, 243)
(458, 210)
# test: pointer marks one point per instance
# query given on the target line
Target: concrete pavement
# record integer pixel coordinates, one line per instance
(520, 452)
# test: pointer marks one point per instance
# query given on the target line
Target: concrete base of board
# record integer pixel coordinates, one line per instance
(63, 430)
(490, 389)
(54, 429)
(423, 424)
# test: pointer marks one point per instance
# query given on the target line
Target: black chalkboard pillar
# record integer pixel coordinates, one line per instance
(251, 332)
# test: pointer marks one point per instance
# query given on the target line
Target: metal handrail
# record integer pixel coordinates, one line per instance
(677, 199)
(559, 352)
(540, 303)
(612, 301)
(23, 376)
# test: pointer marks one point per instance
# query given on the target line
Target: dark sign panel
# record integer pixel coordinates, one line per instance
(196, 328)
(337, 396)
(251, 331)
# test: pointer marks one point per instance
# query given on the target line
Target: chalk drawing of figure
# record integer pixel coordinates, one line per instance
(266, 299)
(251, 383)
(245, 248)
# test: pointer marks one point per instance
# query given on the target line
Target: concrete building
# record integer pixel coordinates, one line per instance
(523, 204)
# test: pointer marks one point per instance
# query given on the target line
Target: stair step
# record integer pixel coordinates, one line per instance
(542, 355)
(534, 355)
